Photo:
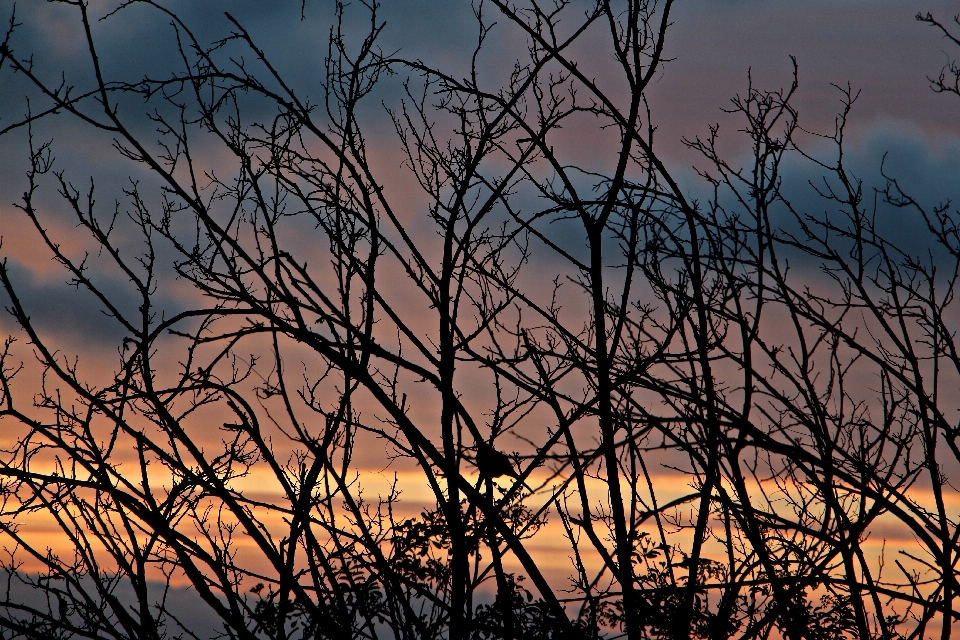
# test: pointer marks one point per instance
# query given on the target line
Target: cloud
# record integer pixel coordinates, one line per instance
(59, 309)
(74, 315)
(181, 602)
(928, 170)
(875, 45)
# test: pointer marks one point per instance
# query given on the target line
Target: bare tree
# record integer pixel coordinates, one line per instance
(793, 371)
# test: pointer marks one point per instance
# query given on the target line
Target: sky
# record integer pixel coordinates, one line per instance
(713, 47)
(876, 46)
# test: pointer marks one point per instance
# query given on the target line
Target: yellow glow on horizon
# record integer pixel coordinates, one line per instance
(550, 546)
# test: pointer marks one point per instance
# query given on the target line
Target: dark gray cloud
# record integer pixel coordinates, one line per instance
(926, 170)
(141, 41)
(74, 315)
(181, 603)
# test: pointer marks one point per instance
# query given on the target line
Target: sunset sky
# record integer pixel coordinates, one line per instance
(877, 46)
